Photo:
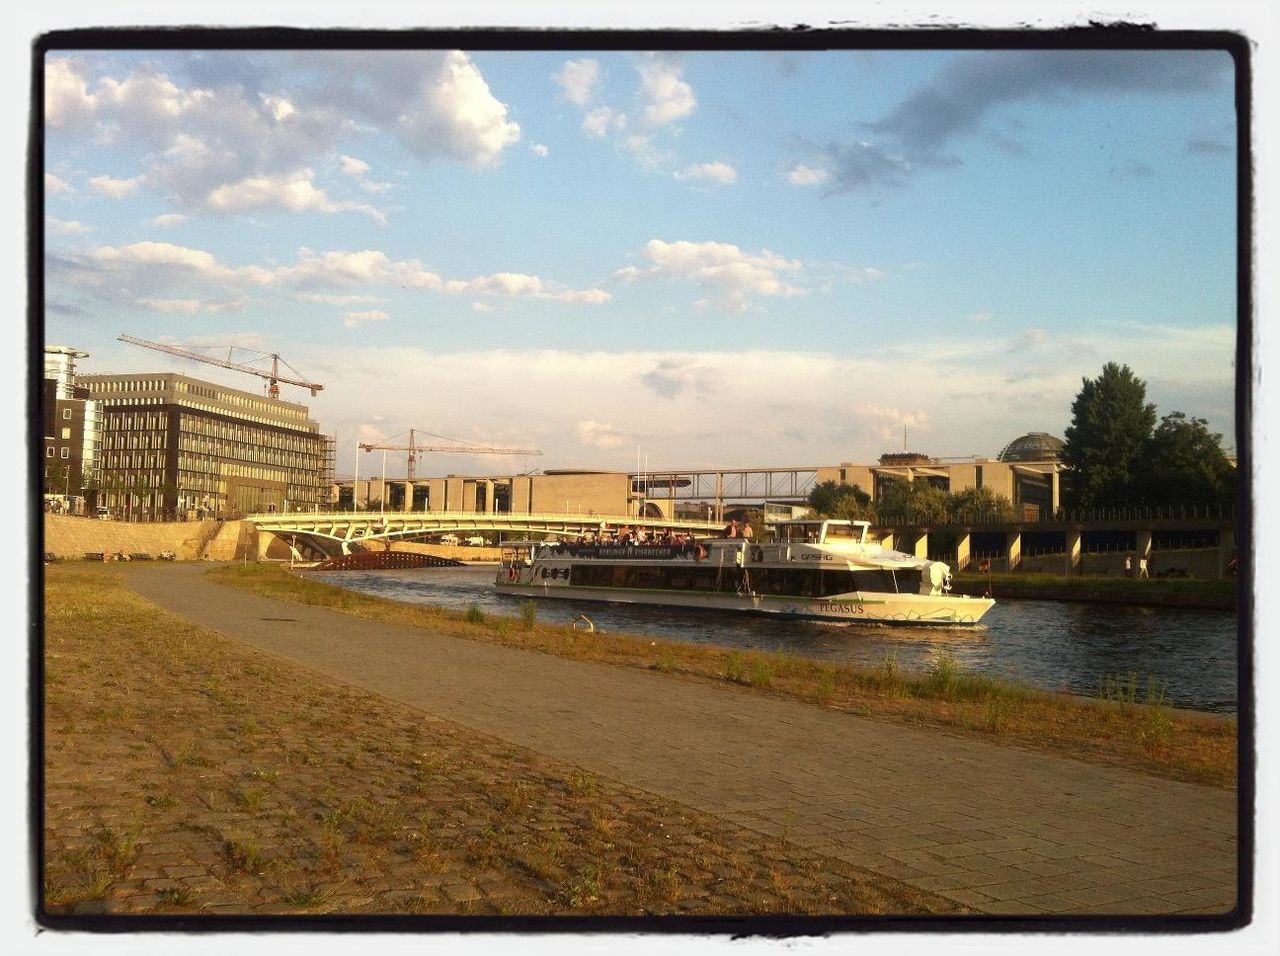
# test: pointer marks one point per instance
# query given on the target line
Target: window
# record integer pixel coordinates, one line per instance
(66, 453)
(49, 452)
(66, 434)
(66, 413)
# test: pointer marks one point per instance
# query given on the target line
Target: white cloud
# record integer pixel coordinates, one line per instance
(332, 299)
(147, 269)
(352, 166)
(247, 119)
(194, 306)
(67, 100)
(168, 220)
(355, 319)
(115, 188)
(686, 408)
(663, 98)
(538, 149)
(603, 120)
(292, 192)
(577, 80)
(458, 117)
(721, 174)
(598, 434)
(731, 276)
(980, 317)
(481, 307)
(53, 186)
(802, 175)
(669, 97)
(643, 148)
(66, 227)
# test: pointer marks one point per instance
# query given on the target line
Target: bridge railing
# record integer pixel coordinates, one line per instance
(477, 518)
(1192, 512)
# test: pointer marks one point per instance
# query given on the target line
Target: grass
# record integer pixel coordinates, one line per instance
(1148, 737)
(353, 803)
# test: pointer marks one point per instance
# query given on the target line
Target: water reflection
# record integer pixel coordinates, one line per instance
(1050, 644)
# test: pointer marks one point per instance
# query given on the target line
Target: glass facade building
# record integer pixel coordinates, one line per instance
(177, 447)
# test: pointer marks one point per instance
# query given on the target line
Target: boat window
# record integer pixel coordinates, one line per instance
(839, 531)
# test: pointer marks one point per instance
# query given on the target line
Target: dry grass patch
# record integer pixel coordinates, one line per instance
(352, 803)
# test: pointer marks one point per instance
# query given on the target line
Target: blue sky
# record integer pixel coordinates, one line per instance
(717, 258)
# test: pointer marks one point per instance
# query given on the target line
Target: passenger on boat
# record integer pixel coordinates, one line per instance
(746, 530)
(731, 529)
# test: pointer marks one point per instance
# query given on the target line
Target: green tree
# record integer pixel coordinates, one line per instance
(56, 481)
(827, 497)
(1107, 440)
(979, 504)
(1186, 464)
(917, 501)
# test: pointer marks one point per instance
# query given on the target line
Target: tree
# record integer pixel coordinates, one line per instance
(1107, 440)
(827, 496)
(1186, 464)
(837, 499)
(917, 501)
(980, 504)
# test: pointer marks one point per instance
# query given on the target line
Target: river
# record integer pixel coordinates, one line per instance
(1056, 645)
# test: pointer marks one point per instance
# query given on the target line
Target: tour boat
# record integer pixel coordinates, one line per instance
(824, 569)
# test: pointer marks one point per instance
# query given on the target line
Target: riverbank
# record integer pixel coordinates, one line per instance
(1133, 728)
(187, 773)
(1151, 592)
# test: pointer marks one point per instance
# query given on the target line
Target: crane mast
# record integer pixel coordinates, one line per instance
(273, 377)
(413, 448)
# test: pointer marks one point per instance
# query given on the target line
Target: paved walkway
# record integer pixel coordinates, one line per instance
(1001, 830)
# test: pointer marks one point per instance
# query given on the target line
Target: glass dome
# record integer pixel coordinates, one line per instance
(1033, 446)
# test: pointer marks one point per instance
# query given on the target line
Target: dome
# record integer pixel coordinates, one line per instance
(1033, 446)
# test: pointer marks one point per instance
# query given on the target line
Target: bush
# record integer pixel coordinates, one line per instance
(528, 614)
(474, 615)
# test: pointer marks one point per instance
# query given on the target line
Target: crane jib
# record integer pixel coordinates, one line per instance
(272, 377)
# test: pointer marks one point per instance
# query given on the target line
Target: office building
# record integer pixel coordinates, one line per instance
(178, 447)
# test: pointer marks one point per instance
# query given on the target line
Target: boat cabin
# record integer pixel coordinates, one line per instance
(822, 531)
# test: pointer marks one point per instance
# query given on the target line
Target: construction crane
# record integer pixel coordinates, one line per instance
(413, 448)
(273, 376)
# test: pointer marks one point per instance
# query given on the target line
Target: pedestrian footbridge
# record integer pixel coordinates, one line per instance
(338, 533)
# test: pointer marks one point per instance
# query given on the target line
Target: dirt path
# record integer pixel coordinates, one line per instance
(1000, 830)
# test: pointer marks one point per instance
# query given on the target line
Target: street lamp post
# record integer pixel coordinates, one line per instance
(383, 500)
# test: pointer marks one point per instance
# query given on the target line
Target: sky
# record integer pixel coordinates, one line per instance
(678, 259)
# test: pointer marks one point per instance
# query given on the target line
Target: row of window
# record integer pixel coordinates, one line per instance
(218, 428)
(136, 421)
(248, 451)
(127, 460)
(262, 413)
(135, 440)
(790, 582)
(129, 385)
(49, 450)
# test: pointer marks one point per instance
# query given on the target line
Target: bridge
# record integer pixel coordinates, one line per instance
(337, 533)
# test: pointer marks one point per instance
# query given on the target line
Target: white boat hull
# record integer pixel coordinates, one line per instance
(925, 609)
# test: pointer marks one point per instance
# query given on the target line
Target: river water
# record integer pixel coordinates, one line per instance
(1056, 645)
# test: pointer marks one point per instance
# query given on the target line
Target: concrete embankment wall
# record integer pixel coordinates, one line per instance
(235, 541)
(1154, 597)
(70, 537)
(1197, 562)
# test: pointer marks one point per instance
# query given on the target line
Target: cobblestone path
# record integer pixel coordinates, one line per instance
(1000, 830)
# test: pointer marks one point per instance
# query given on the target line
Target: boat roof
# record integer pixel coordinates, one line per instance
(839, 521)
